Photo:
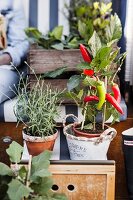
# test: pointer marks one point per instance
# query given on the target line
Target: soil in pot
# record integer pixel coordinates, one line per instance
(88, 133)
(37, 145)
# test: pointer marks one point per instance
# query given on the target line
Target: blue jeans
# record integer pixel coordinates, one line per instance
(9, 79)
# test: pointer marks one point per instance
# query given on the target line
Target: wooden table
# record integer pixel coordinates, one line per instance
(115, 151)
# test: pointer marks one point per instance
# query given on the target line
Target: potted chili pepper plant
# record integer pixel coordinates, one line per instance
(94, 90)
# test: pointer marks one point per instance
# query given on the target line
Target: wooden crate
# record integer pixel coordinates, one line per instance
(42, 60)
(92, 180)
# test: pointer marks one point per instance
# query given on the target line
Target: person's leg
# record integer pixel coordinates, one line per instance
(8, 80)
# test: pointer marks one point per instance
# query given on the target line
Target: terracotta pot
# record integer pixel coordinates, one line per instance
(90, 134)
(37, 145)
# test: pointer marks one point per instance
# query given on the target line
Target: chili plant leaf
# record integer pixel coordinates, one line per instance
(95, 43)
(84, 65)
(54, 73)
(114, 29)
(73, 82)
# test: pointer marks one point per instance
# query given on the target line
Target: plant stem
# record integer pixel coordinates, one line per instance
(104, 109)
(94, 123)
(29, 171)
(116, 73)
(82, 125)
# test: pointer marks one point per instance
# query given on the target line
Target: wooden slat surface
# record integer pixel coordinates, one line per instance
(89, 181)
(47, 60)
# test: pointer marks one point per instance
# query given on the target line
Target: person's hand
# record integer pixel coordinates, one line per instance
(5, 59)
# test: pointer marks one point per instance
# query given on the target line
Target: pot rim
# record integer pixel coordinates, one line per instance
(128, 132)
(108, 134)
(30, 138)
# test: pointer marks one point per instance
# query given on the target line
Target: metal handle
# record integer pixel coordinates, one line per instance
(69, 115)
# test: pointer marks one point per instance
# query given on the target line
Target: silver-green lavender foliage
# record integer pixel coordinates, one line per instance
(38, 107)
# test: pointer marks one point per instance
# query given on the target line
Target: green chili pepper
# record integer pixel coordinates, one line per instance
(101, 90)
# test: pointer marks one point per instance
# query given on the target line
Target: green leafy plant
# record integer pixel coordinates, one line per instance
(86, 16)
(27, 182)
(37, 106)
(51, 40)
(94, 89)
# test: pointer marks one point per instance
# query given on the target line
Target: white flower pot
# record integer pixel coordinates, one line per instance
(82, 148)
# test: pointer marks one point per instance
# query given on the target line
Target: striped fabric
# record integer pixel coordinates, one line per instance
(129, 38)
(7, 112)
(46, 14)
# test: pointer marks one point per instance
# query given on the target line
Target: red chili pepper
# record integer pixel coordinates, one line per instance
(85, 54)
(90, 98)
(88, 72)
(113, 101)
(116, 91)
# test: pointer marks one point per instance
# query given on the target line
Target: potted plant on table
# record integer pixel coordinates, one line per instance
(37, 107)
(32, 181)
(94, 90)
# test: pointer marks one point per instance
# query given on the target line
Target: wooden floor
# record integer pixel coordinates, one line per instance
(115, 151)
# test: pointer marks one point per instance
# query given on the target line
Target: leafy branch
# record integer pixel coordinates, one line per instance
(27, 182)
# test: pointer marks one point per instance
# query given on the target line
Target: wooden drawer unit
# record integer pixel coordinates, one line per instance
(86, 180)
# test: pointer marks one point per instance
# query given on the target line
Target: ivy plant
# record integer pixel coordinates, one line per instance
(32, 182)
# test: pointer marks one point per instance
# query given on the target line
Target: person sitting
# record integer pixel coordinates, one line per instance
(13, 45)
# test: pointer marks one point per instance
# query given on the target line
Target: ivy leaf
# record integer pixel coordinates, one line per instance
(82, 28)
(55, 73)
(58, 46)
(33, 32)
(94, 43)
(57, 32)
(73, 82)
(5, 170)
(15, 152)
(114, 29)
(43, 186)
(17, 191)
(73, 43)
